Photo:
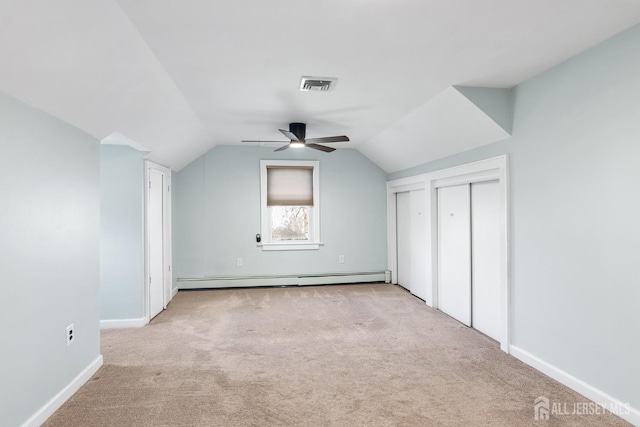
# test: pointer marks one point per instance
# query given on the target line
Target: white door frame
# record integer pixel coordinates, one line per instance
(167, 254)
(480, 171)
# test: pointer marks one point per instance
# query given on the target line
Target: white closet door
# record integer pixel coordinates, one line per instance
(418, 244)
(454, 252)
(485, 220)
(156, 247)
(403, 235)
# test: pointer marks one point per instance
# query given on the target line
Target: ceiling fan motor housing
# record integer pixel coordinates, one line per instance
(299, 129)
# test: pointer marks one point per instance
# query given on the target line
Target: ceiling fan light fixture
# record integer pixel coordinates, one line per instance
(317, 84)
(296, 136)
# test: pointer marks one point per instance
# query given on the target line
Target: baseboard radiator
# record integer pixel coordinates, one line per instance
(283, 280)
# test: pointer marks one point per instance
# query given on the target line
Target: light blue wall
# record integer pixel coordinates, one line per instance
(575, 215)
(49, 257)
(121, 233)
(189, 221)
(495, 102)
(479, 153)
(216, 211)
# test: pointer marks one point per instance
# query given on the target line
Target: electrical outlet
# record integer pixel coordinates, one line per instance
(239, 262)
(341, 259)
(70, 334)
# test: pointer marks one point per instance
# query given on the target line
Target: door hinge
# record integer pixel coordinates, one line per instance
(168, 188)
(149, 183)
(169, 268)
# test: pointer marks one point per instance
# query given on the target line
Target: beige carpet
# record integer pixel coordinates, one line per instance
(354, 355)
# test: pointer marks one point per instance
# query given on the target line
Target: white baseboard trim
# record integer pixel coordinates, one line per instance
(174, 292)
(123, 323)
(58, 400)
(601, 398)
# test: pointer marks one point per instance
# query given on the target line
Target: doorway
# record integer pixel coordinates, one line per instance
(158, 238)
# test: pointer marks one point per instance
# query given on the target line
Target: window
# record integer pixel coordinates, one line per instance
(289, 205)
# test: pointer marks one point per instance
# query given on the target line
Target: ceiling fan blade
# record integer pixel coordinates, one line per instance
(326, 139)
(292, 136)
(262, 140)
(284, 147)
(319, 147)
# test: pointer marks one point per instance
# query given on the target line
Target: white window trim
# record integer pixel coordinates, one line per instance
(314, 242)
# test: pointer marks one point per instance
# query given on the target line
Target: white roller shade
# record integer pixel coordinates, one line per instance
(289, 186)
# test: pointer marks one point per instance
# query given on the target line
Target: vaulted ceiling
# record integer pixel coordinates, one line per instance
(176, 78)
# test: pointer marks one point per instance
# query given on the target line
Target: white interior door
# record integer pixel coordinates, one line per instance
(155, 230)
(485, 229)
(418, 244)
(454, 252)
(403, 236)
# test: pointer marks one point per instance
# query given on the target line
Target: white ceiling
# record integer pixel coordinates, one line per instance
(179, 77)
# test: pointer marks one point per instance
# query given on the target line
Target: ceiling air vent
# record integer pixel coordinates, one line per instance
(317, 84)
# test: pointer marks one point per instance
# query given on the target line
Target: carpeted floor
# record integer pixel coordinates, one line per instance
(354, 355)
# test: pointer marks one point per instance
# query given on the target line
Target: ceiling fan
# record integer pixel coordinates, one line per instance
(296, 135)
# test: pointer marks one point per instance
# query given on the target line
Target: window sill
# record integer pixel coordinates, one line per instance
(286, 246)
